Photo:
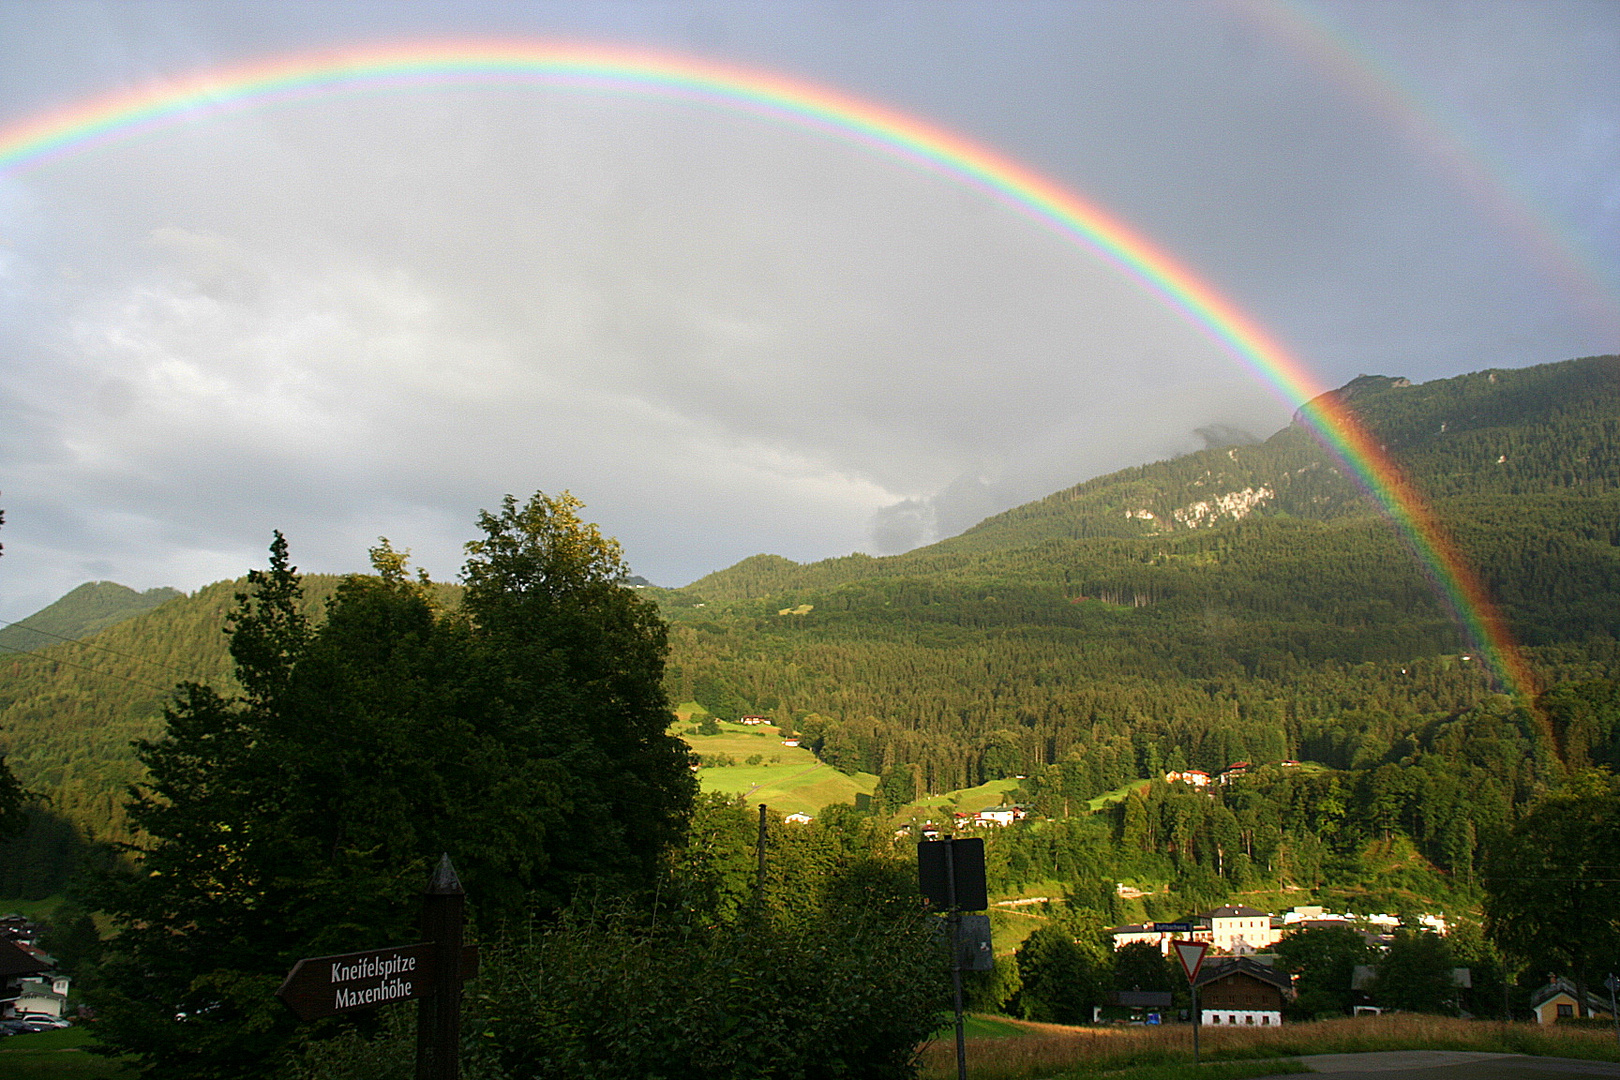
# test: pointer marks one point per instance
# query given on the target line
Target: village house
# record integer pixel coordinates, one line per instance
(1239, 929)
(999, 815)
(1556, 1001)
(28, 983)
(1238, 990)
(1131, 933)
(1195, 777)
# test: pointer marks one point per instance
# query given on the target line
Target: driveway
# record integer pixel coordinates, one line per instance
(1449, 1065)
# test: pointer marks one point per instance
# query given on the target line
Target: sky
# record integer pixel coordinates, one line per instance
(373, 314)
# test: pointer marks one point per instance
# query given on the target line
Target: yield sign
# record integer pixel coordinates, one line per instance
(1191, 955)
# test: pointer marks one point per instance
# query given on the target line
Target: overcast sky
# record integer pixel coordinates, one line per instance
(376, 314)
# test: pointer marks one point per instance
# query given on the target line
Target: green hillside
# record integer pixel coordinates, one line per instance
(1245, 603)
(87, 610)
(1242, 603)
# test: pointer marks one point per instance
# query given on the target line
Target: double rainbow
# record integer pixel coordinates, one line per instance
(127, 114)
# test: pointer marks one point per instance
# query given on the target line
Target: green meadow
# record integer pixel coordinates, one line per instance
(786, 778)
(57, 1055)
(968, 800)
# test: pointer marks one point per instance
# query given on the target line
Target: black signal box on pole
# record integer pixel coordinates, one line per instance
(941, 861)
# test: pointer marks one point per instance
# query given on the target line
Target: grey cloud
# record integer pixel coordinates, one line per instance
(375, 314)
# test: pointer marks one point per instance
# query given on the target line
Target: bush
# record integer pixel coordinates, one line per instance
(851, 993)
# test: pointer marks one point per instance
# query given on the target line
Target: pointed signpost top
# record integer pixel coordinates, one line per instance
(444, 881)
(1191, 955)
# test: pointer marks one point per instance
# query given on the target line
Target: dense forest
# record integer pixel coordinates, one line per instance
(1243, 603)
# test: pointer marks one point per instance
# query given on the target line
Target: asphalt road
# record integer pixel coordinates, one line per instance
(1449, 1065)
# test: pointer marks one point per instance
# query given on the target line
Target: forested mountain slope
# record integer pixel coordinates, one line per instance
(87, 610)
(1241, 603)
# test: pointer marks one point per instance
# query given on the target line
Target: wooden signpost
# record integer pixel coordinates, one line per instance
(430, 972)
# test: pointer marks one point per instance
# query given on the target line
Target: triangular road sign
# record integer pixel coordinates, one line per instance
(1191, 955)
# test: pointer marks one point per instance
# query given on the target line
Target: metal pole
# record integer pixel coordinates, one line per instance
(438, 1016)
(1198, 1021)
(956, 957)
(1613, 982)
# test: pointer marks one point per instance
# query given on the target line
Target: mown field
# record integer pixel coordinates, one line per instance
(786, 778)
(58, 1055)
(1057, 1052)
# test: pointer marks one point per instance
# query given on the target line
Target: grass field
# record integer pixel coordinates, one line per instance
(35, 910)
(1119, 794)
(57, 1055)
(1058, 1052)
(788, 778)
(968, 800)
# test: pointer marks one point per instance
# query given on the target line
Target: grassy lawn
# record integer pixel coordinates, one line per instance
(789, 778)
(1165, 1053)
(34, 910)
(57, 1055)
(1119, 794)
(969, 800)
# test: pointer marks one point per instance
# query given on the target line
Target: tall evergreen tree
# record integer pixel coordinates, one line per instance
(524, 734)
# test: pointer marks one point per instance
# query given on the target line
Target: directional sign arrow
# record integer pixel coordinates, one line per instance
(319, 986)
(322, 985)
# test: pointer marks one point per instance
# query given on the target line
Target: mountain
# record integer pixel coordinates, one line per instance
(1242, 603)
(87, 610)
(1246, 602)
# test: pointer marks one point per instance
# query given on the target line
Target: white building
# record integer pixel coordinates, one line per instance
(1239, 929)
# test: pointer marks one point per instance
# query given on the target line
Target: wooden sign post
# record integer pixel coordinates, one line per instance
(438, 1016)
(431, 972)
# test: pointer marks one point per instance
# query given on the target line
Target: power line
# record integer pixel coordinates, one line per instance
(91, 645)
(86, 667)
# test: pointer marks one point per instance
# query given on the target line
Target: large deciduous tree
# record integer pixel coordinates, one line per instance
(1061, 979)
(523, 732)
(1415, 974)
(1551, 898)
(1323, 962)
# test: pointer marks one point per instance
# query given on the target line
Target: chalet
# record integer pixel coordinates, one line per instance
(1233, 771)
(45, 996)
(755, 721)
(1195, 777)
(798, 819)
(1556, 1001)
(1240, 990)
(20, 969)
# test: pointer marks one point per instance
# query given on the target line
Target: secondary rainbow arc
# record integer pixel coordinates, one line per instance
(128, 113)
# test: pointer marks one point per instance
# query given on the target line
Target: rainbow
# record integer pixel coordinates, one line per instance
(1442, 138)
(131, 113)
